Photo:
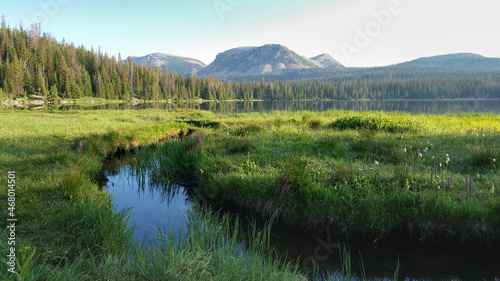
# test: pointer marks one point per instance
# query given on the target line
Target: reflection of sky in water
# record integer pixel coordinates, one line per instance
(150, 206)
(167, 207)
(409, 106)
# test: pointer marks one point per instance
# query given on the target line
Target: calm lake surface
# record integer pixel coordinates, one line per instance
(228, 107)
(165, 207)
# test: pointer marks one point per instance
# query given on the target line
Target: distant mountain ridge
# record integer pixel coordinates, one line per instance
(459, 60)
(266, 59)
(278, 62)
(177, 64)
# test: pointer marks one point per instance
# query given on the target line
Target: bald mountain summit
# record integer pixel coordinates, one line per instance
(177, 64)
(264, 60)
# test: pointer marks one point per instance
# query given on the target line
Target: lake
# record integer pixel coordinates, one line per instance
(228, 107)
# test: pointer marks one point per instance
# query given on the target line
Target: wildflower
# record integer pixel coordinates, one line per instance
(201, 138)
(449, 183)
(420, 155)
(419, 187)
(355, 179)
(201, 171)
(360, 169)
(371, 168)
(376, 163)
(494, 160)
(447, 155)
(440, 165)
(404, 150)
(442, 184)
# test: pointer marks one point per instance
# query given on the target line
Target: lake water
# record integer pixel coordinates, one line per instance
(155, 206)
(227, 107)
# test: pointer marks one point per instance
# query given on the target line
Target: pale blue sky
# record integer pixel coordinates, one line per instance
(355, 32)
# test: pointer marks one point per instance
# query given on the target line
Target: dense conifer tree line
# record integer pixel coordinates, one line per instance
(34, 63)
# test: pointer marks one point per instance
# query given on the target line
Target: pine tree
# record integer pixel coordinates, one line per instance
(18, 77)
(54, 97)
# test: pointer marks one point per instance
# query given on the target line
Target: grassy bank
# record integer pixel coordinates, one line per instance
(66, 228)
(368, 176)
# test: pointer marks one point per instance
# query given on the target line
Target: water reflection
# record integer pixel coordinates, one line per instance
(151, 205)
(228, 107)
(166, 206)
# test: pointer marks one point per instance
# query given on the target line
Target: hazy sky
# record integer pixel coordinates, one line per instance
(355, 32)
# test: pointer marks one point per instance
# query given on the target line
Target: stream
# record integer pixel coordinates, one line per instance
(166, 207)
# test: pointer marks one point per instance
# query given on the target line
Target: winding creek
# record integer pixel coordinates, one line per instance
(155, 206)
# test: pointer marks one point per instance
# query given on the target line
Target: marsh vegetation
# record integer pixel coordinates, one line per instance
(358, 175)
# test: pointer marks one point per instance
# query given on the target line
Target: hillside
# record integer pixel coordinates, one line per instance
(177, 64)
(461, 60)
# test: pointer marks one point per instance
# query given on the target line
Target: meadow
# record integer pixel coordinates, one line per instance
(359, 175)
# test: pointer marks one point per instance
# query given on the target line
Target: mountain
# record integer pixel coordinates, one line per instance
(257, 61)
(177, 64)
(461, 60)
(326, 61)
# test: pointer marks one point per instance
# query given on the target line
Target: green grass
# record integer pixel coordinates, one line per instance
(67, 228)
(362, 176)
(268, 163)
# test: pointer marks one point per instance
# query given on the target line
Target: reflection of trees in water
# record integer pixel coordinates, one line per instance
(145, 184)
(228, 107)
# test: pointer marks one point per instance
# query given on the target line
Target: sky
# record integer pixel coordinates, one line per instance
(357, 33)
